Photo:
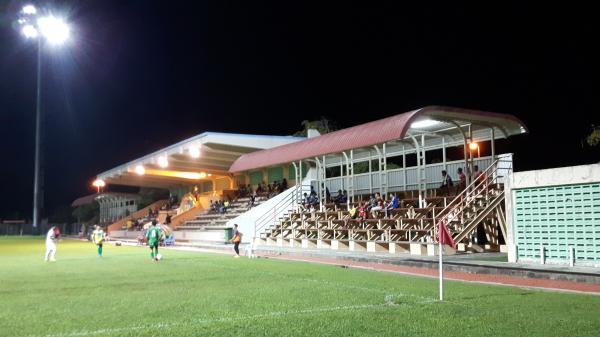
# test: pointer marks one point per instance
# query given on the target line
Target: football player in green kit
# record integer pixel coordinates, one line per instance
(153, 236)
(98, 238)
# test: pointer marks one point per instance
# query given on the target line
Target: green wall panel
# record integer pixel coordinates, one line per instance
(256, 178)
(557, 218)
(275, 174)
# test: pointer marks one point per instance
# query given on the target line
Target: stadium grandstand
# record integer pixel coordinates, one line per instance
(337, 190)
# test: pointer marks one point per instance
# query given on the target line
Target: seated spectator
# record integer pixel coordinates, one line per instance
(362, 211)
(327, 195)
(313, 199)
(337, 197)
(252, 200)
(312, 211)
(379, 205)
(372, 203)
(395, 203)
(284, 184)
(352, 214)
(344, 197)
(168, 219)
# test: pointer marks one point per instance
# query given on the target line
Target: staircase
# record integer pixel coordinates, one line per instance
(208, 219)
(270, 222)
(481, 204)
(138, 214)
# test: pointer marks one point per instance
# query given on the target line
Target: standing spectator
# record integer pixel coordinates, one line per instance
(476, 173)
(446, 183)
(236, 239)
(462, 179)
(196, 193)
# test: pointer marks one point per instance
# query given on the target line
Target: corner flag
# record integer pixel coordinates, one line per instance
(444, 238)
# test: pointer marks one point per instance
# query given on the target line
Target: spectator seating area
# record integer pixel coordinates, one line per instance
(214, 217)
(408, 228)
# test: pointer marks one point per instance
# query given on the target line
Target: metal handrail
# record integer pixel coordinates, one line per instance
(470, 194)
(264, 219)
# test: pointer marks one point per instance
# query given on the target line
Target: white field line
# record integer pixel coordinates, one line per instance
(389, 302)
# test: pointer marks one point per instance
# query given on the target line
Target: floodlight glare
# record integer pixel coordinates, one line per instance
(29, 9)
(473, 146)
(99, 183)
(55, 30)
(29, 31)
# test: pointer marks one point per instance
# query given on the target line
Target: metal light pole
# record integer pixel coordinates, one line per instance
(56, 32)
(38, 122)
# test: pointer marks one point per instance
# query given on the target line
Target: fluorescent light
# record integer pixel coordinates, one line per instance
(424, 124)
(194, 152)
(140, 170)
(163, 161)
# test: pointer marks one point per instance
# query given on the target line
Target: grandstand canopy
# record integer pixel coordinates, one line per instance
(205, 157)
(436, 123)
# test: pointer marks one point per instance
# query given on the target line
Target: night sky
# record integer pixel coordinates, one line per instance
(140, 75)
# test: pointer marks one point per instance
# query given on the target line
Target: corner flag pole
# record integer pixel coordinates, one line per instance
(444, 237)
(441, 249)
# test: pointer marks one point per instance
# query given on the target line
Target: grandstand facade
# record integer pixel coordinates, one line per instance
(402, 156)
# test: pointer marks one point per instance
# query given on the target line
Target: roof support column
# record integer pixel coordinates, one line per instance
(471, 165)
(370, 175)
(382, 165)
(444, 154)
(466, 145)
(298, 187)
(404, 168)
(493, 143)
(423, 166)
(324, 182)
(350, 177)
(419, 172)
(318, 163)
(351, 185)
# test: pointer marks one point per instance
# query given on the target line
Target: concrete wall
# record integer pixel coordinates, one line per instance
(571, 175)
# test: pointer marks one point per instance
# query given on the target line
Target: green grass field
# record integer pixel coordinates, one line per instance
(196, 294)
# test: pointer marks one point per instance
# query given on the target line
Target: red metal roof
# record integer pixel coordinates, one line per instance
(363, 135)
(88, 199)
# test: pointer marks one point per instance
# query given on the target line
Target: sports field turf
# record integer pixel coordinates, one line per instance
(197, 294)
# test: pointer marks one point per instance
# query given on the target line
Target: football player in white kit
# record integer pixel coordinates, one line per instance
(51, 240)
